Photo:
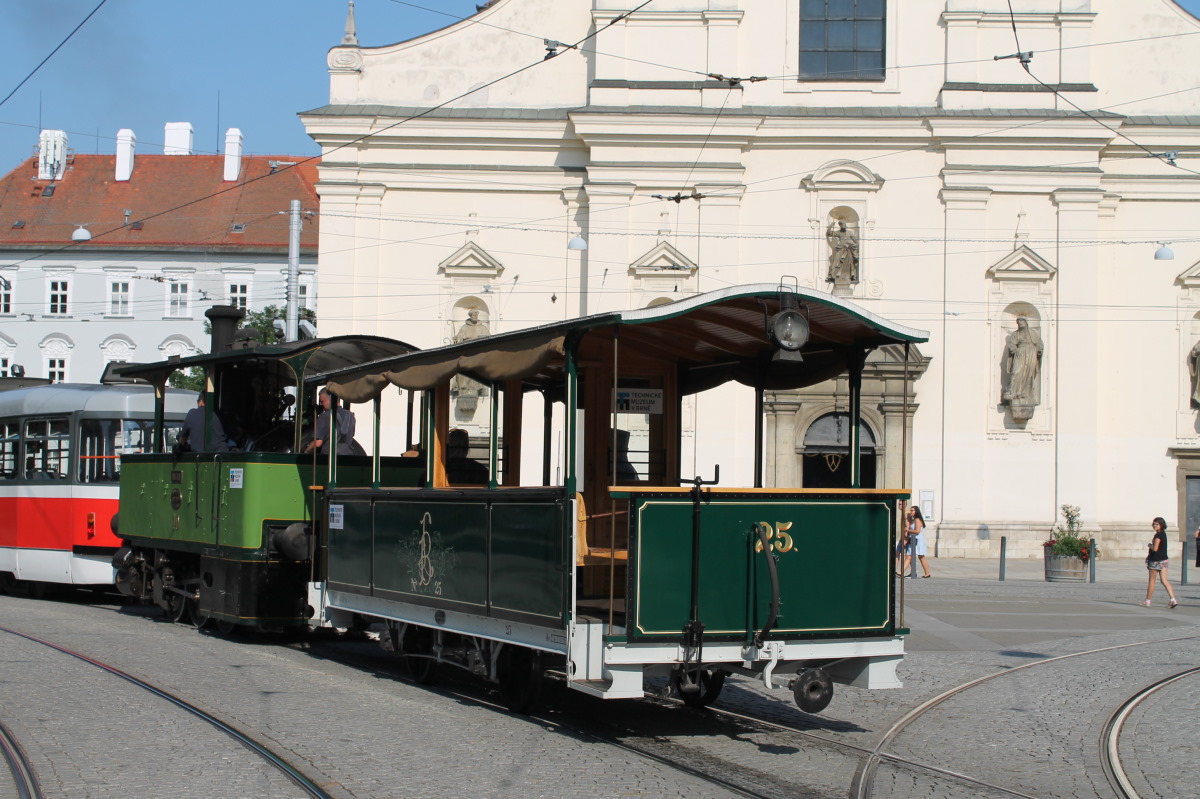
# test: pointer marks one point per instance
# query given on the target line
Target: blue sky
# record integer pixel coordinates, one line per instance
(142, 63)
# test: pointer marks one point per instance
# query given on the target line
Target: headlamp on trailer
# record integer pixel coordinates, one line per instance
(788, 329)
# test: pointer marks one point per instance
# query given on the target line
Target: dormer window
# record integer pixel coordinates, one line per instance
(19, 224)
(237, 227)
(48, 191)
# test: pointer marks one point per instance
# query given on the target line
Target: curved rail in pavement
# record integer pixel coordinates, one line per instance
(303, 782)
(866, 772)
(1110, 756)
(24, 777)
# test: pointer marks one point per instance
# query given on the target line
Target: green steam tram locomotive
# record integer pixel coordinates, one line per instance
(584, 498)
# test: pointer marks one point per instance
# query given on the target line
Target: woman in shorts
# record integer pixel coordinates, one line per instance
(916, 541)
(1156, 562)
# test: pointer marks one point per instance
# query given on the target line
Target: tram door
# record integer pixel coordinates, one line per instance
(638, 416)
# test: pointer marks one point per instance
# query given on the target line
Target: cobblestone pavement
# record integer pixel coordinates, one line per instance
(364, 733)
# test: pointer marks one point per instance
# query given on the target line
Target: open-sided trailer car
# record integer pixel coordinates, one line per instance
(580, 539)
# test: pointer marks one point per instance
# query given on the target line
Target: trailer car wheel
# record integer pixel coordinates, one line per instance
(710, 683)
(226, 628)
(521, 674)
(419, 641)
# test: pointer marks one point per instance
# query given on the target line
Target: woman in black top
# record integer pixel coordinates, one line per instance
(1156, 562)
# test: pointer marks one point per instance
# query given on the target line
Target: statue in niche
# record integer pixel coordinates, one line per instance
(1193, 362)
(843, 253)
(1022, 370)
(466, 391)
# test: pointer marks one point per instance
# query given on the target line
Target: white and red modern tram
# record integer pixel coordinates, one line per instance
(60, 461)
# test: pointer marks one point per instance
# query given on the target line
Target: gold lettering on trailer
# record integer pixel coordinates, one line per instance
(778, 538)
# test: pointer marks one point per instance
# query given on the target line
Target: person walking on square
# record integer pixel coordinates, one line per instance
(916, 541)
(1156, 563)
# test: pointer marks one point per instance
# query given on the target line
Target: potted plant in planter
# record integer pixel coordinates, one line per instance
(1067, 552)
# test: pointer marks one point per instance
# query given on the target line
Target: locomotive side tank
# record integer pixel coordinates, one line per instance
(561, 526)
(221, 529)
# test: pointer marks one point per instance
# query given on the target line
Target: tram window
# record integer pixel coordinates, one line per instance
(102, 442)
(10, 441)
(47, 449)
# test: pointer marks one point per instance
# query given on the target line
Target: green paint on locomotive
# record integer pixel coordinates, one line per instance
(832, 554)
(224, 503)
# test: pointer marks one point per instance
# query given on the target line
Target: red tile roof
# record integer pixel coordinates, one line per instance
(88, 194)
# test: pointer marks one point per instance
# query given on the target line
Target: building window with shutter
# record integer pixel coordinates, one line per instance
(842, 40)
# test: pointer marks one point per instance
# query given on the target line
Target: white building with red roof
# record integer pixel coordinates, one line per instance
(109, 258)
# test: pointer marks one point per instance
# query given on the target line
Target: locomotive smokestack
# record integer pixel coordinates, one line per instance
(223, 320)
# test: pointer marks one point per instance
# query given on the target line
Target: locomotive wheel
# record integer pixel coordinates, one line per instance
(813, 690)
(419, 641)
(177, 609)
(199, 620)
(520, 678)
(710, 684)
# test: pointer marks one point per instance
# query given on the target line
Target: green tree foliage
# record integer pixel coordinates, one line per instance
(192, 379)
(264, 321)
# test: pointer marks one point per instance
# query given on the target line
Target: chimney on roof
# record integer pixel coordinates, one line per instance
(177, 138)
(125, 145)
(233, 154)
(52, 154)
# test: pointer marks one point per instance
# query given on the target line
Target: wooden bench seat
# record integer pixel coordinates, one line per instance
(586, 554)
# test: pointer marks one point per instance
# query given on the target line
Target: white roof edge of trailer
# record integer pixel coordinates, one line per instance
(712, 297)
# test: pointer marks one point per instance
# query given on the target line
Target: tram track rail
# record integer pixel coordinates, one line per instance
(875, 754)
(723, 774)
(24, 777)
(298, 778)
(861, 787)
(1110, 737)
(870, 755)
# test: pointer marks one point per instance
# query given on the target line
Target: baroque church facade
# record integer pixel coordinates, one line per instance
(1010, 178)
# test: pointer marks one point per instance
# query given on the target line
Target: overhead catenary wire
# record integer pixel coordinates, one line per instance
(601, 232)
(42, 63)
(353, 141)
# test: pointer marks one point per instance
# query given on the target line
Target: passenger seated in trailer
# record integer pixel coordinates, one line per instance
(346, 445)
(460, 468)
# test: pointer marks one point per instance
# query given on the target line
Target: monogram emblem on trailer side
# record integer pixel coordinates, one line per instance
(426, 557)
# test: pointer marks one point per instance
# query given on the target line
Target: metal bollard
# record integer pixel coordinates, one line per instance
(1003, 554)
(1183, 567)
(1091, 560)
